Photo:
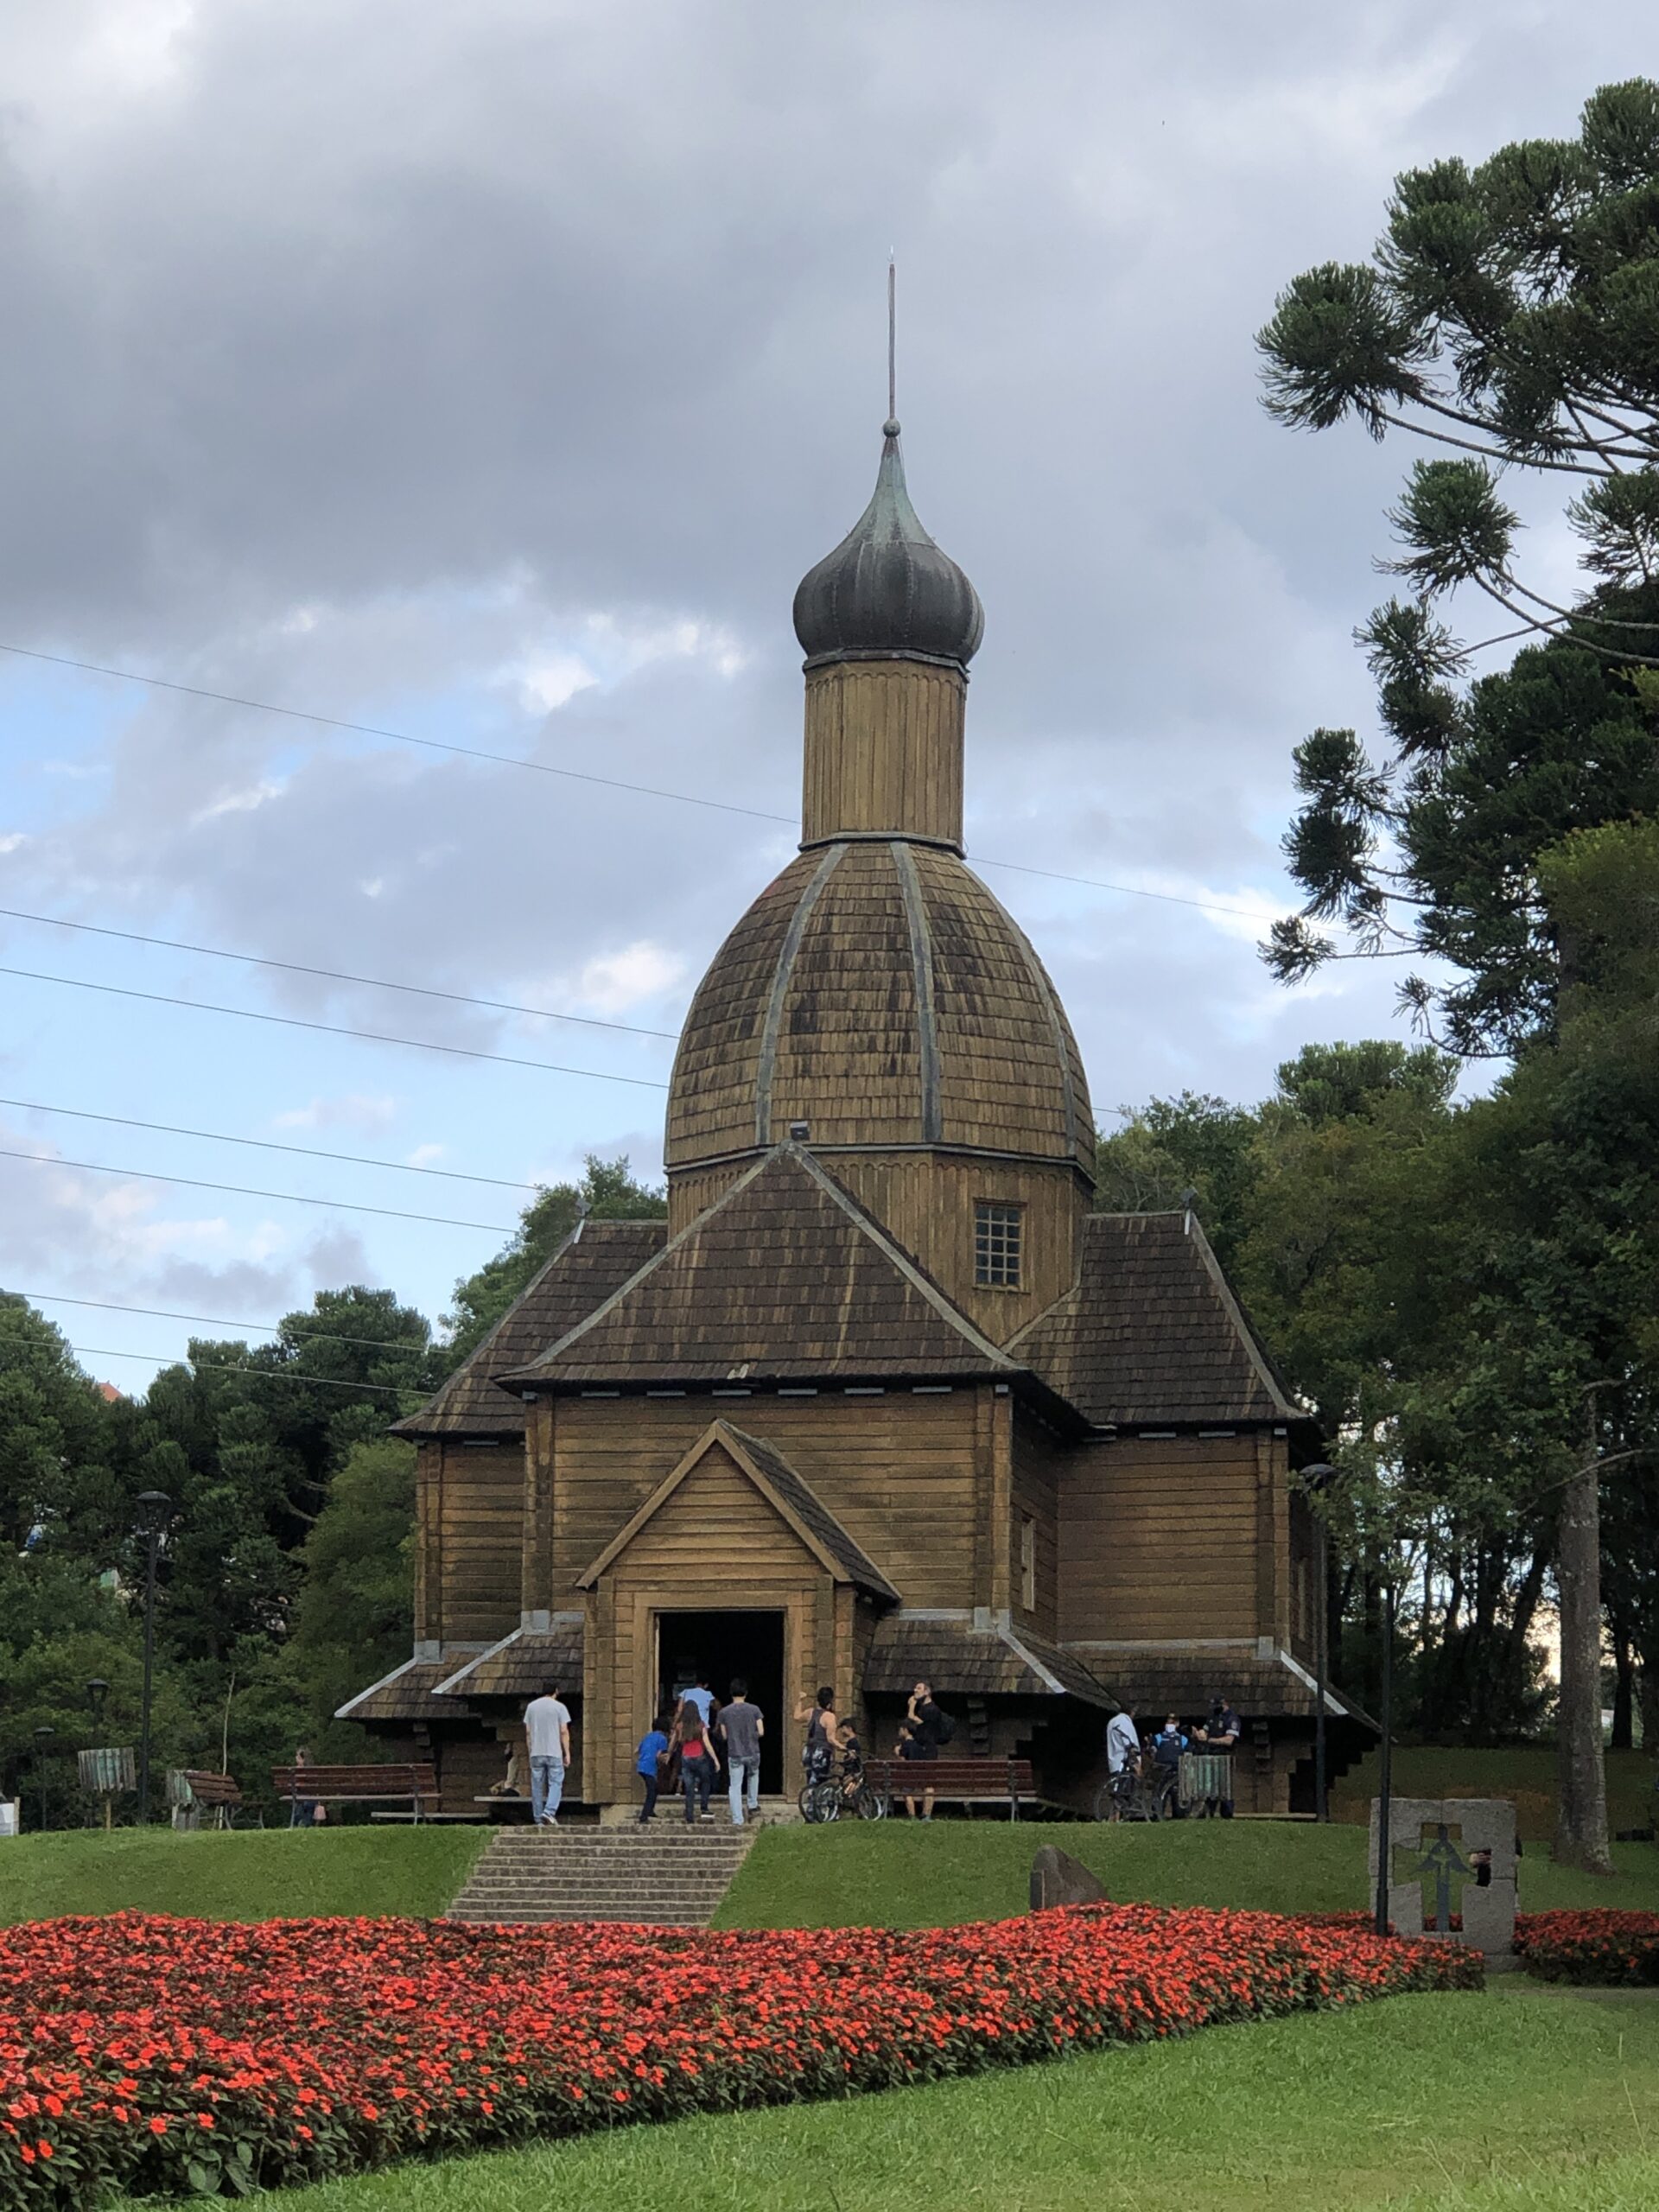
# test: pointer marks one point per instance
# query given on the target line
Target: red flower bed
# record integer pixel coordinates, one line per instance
(151, 2055)
(1597, 1946)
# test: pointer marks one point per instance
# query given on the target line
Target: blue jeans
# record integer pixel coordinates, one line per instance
(697, 1780)
(739, 1772)
(546, 1787)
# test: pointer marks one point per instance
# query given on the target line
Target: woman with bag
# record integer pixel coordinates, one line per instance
(697, 1765)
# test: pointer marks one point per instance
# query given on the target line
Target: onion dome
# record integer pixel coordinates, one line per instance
(878, 992)
(887, 592)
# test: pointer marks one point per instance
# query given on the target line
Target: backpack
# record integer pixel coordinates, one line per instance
(944, 1727)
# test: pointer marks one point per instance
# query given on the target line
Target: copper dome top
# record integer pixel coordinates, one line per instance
(887, 591)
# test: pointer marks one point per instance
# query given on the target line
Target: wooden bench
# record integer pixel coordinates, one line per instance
(957, 1782)
(416, 1786)
(193, 1790)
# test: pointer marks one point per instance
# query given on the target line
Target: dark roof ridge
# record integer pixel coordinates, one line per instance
(672, 1244)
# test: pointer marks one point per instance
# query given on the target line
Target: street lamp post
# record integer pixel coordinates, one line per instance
(1385, 1766)
(96, 1690)
(154, 1507)
(42, 1737)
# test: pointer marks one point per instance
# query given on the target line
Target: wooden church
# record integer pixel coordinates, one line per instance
(883, 1398)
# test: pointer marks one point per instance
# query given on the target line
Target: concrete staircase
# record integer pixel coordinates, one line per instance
(665, 1873)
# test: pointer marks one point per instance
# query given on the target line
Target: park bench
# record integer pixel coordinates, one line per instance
(192, 1791)
(413, 1785)
(957, 1782)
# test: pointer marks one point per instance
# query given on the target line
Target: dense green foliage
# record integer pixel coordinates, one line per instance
(285, 1574)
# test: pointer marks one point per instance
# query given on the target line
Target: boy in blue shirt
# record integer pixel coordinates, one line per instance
(649, 1761)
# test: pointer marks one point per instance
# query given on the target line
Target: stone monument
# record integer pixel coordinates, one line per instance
(1059, 1879)
(1452, 1856)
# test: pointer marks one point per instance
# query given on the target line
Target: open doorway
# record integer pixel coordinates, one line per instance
(717, 1647)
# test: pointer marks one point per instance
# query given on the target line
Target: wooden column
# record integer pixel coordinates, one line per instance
(536, 1585)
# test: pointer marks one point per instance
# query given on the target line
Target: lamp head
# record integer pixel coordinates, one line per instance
(154, 1507)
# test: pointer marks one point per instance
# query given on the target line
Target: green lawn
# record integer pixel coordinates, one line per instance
(904, 1874)
(250, 1874)
(1487, 2102)
(1523, 1772)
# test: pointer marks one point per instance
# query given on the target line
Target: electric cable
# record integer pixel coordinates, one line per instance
(244, 1367)
(320, 1335)
(244, 1191)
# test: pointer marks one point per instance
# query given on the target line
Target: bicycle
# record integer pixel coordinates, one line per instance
(1140, 1790)
(827, 1796)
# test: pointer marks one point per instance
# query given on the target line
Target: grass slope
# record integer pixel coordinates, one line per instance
(250, 1874)
(1525, 1773)
(1492, 2101)
(904, 1874)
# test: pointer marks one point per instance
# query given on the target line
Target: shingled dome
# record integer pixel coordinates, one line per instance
(887, 592)
(878, 992)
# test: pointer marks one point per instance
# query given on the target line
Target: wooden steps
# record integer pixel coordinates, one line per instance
(665, 1874)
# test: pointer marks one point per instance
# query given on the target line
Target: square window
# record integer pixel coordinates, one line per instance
(997, 1241)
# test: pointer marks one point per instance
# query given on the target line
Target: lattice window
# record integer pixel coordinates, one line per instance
(999, 1236)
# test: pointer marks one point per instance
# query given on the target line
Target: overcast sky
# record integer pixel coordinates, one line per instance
(490, 373)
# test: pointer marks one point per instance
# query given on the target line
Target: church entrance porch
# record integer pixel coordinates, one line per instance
(717, 1646)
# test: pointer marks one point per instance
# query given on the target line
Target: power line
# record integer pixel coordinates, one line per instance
(576, 775)
(244, 1367)
(334, 974)
(331, 1028)
(243, 1191)
(212, 1320)
(265, 1144)
(398, 736)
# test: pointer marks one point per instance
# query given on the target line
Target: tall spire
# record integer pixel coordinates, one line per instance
(887, 591)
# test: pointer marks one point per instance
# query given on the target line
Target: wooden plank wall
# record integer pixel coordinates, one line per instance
(897, 1470)
(1037, 1456)
(1162, 1538)
(471, 1500)
(883, 750)
(926, 1202)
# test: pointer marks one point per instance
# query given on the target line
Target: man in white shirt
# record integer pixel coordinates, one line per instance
(1123, 1742)
(547, 1731)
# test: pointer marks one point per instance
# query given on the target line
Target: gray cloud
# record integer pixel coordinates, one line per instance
(398, 359)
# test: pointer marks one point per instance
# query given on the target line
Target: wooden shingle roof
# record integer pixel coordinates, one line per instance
(408, 1692)
(522, 1665)
(877, 990)
(588, 1267)
(1150, 1679)
(1151, 1332)
(784, 1277)
(960, 1660)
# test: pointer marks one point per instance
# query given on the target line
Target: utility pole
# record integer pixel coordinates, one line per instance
(1581, 1774)
(154, 1507)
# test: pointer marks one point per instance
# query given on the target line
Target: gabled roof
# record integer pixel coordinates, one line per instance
(586, 1269)
(785, 1276)
(1151, 1332)
(1264, 1682)
(784, 1490)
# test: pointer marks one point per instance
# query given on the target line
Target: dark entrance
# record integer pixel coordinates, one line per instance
(719, 1646)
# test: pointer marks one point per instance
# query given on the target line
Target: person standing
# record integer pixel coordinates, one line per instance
(703, 1697)
(651, 1763)
(696, 1765)
(1123, 1742)
(547, 1732)
(742, 1725)
(823, 1732)
(304, 1812)
(1224, 1732)
(933, 1727)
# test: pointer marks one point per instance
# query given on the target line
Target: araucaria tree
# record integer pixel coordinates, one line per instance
(1509, 316)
